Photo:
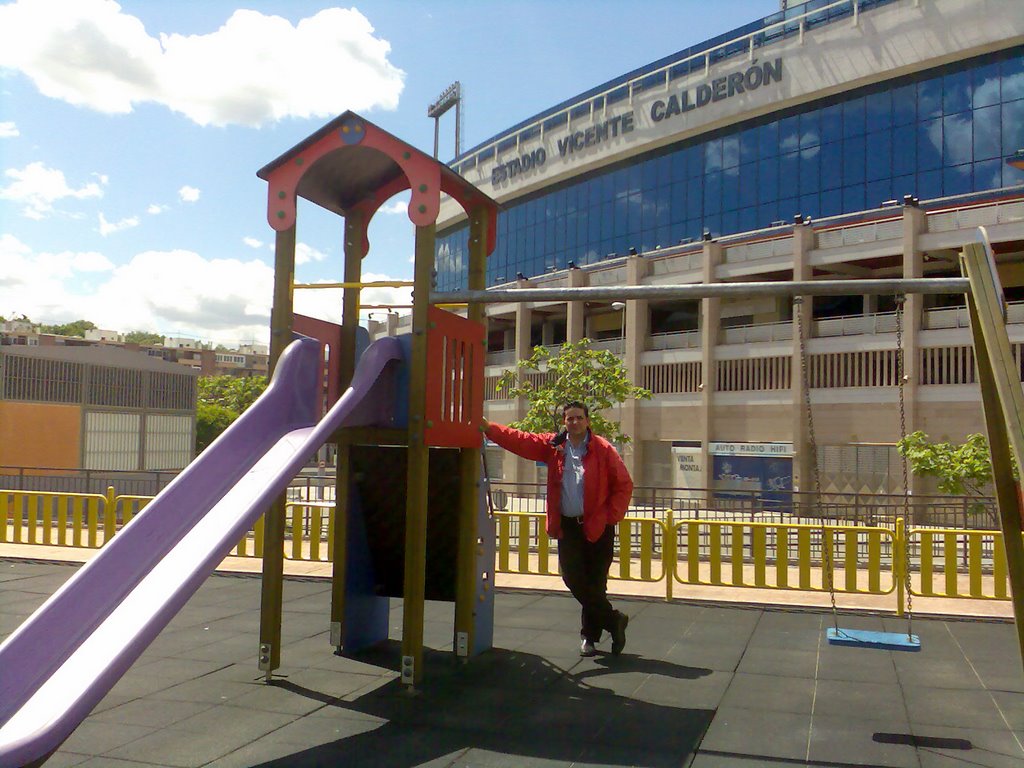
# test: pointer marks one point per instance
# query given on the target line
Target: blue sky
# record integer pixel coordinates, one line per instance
(131, 133)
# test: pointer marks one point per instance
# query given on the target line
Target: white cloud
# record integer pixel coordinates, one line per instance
(188, 194)
(170, 292)
(39, 187)
(252, 242)
(394, 207)
(8, 130)
(155, 209)
(175, 293)
(109, 227)
(35, 279)
(307, 253)
(327, 303)
(253, 70)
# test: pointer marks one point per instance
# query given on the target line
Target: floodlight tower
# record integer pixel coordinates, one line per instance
(451, 97)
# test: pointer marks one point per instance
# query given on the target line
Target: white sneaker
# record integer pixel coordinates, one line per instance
(587, 648)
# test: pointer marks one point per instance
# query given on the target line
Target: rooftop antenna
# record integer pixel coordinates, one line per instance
(450, 97)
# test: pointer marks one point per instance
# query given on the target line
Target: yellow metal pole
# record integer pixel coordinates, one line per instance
(1003, 406)
(900, 563)
(469, 460)
(355, 283)
(669, 553)
(418, 468)
(273, 548)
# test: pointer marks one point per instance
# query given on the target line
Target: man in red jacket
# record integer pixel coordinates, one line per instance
(588, 493)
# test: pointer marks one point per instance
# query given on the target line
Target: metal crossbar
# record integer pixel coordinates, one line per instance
(924, 285)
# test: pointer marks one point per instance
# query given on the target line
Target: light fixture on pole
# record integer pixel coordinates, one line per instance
(451, 97)
(620, 306)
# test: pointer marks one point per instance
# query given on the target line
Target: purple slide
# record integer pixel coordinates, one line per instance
(65, 658)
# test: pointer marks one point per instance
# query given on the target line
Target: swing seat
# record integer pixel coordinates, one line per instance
(864, 638)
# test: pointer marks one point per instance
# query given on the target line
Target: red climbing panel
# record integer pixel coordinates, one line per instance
(455, 380)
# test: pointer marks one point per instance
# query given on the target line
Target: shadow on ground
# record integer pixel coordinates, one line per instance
(506, 708)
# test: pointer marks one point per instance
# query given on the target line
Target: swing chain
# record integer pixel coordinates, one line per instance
(901, 382)
(812, 450)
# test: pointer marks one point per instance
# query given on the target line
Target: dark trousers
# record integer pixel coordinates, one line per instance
(584, 568)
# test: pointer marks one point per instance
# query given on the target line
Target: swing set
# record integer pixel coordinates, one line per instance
(860, 638)
(998, 376)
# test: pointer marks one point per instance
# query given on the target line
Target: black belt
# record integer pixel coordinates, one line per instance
(578, 520)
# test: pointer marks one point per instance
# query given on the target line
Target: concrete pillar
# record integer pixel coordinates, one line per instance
(575, 312)
(710, 317)
(392, 323)
(547, 333)
(803, 478)
(636, 327)
(914, 224)
(521, 470)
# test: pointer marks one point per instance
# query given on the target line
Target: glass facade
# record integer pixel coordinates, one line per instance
(941, 133)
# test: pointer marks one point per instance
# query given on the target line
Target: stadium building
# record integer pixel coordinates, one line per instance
(832, 140)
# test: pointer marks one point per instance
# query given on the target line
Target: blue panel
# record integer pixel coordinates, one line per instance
(904, 150)
(768, 179)
(986, 86)
(853, 118)
(879, 155)
(878, 111)
(860, 638)
(987, 134)
(956, 92)
(365, 621)
(988, 174)
(929, 145)
(483, 610)
(904, 105)
(929, 98)
(767, 479)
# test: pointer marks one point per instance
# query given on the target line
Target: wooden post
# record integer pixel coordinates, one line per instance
(470, 466)
(339, 542)
(344, 361)
(273, 545)
(418, 466)
(1003, 404)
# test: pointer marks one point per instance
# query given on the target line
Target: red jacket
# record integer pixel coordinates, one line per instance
(607, 486)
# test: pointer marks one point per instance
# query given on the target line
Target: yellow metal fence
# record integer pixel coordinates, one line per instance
(865, 560)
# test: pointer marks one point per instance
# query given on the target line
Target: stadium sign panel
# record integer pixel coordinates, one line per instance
(604, 132)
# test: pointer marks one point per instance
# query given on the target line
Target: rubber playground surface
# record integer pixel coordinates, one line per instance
(699, 684)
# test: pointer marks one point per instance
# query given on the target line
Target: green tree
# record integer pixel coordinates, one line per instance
(74, 328)
(222, 399)
(578, 372)
(143, 337)
(211, 420)
(961, 470)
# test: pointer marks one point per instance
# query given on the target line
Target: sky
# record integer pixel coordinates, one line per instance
(131, 133)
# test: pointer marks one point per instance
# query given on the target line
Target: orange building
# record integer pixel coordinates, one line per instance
(94, 407)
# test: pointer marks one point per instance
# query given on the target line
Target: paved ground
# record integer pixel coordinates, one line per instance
(699, 685)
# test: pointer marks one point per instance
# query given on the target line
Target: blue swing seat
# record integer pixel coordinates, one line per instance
(864, 638)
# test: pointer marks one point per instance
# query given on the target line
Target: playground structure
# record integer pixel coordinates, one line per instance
(351, 167)
(410, 407)
(407, 416)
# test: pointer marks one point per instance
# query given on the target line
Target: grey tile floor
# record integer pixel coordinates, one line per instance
(698, 685)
